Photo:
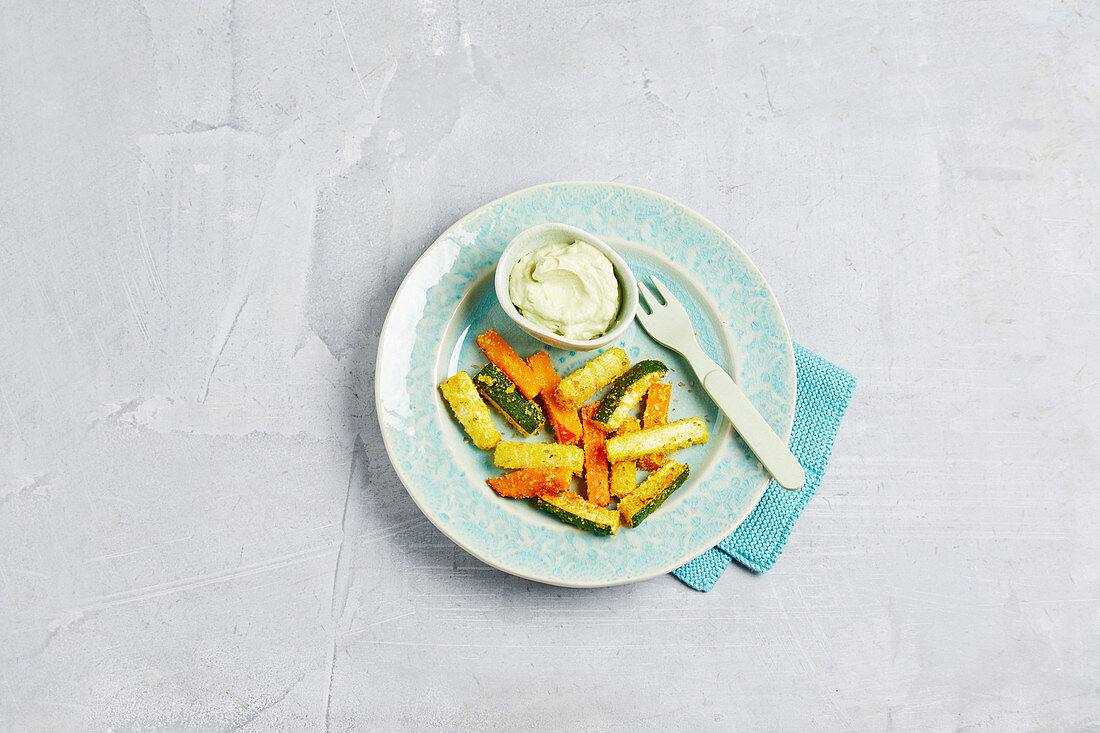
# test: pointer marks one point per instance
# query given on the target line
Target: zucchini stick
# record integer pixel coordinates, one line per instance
(592, 377)
(470, 410)
(657, 439)
(514, 455)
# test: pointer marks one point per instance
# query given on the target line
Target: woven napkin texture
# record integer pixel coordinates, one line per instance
(822, 394)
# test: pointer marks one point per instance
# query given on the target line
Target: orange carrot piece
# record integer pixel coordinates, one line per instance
(543, 368)
(596, 468)
(657, 400)
(531, 482)
(564, 420)
(508, 361)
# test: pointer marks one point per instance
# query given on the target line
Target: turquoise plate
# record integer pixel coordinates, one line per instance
(447, 299)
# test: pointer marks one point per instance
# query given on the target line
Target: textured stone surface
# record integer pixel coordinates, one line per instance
(207, 207)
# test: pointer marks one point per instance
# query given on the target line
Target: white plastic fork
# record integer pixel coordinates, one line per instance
(669, 324)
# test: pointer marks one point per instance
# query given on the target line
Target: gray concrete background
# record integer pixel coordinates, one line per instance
(206, 207)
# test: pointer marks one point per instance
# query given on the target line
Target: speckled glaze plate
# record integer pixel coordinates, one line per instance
(447, 299)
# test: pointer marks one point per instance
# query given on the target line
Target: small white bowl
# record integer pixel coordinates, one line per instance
(541, 235)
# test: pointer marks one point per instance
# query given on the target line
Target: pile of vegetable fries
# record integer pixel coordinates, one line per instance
(600, 441)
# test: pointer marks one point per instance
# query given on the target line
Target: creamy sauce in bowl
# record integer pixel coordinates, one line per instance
(568, 288)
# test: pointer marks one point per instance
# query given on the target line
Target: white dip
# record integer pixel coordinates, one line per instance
(569, 289)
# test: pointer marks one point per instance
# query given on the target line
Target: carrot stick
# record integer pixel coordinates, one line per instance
(508, 361)
(596, 468)
(657, 400)
(531, 482)
(564, 420)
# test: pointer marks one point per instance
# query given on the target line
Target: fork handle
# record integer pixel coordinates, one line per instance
(754, 429)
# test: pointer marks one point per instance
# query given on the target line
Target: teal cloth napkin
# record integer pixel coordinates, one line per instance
(822, 393)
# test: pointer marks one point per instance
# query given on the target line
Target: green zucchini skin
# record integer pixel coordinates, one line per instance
(655, 503)
(547, 505)
(501, 392)
(626, 392)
